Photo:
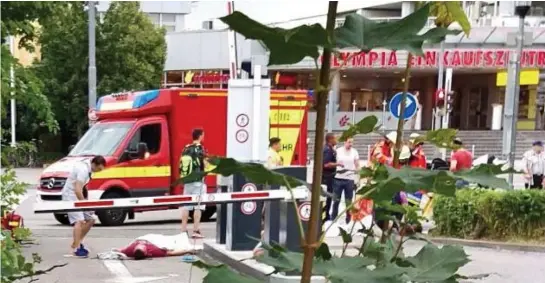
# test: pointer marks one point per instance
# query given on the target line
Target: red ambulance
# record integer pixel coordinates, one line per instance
(163, 120)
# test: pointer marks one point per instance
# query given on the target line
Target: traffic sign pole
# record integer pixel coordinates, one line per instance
(243, 219)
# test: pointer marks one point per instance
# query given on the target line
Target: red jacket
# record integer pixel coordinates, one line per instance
(380, 153)
(418, 159)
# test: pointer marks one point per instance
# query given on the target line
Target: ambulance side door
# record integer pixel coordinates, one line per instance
(149, 175)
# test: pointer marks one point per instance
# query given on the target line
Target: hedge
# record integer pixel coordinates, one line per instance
(491, 214)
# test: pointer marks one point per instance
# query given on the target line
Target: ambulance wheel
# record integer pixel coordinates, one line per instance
(113, 217)
(62, 218)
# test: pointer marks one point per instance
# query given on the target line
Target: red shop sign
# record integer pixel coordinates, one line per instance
(462, 58)
(210, 78)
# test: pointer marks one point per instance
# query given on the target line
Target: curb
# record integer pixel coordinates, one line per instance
(490, 244)
(251, 268)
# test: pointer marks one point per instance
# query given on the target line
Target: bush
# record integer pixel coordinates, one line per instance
(501, 215)
(14, 264)
(22, 155)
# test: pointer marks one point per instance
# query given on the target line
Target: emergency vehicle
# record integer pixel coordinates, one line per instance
(141, 135)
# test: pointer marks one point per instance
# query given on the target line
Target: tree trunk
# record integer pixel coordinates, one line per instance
(321, 101)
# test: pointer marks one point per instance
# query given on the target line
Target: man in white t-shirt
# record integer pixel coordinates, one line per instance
(346, 176)
(534, 166)
(73, 190)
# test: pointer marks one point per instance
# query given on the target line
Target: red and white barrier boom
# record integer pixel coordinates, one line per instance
(182, 200)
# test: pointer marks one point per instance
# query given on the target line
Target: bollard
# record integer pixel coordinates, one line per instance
(221, 217)
(272, 208)
(243, 223)
(290, 235)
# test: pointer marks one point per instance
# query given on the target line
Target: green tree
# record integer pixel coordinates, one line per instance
(63, 66)
(20, 19)
(131, 51)
(130, 56)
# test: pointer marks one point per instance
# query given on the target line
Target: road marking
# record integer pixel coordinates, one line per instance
(122, 274)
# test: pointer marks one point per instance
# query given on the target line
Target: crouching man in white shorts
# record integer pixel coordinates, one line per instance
(73, 191)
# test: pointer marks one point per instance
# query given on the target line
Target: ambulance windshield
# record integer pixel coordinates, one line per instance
(101, 139)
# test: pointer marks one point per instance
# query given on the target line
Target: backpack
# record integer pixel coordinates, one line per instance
(190, 160)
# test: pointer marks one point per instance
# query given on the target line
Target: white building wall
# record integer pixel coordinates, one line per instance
(270, 11)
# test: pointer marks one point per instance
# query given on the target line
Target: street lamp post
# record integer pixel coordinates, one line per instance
(513, 92)
(92, 57)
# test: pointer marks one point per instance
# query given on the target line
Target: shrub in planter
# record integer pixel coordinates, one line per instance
(492, 214)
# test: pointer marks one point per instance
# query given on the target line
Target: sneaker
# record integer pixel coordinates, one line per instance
(82, 247)
(81, 253)
(197, 235)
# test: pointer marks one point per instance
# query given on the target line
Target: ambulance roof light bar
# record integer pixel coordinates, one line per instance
(299, 193)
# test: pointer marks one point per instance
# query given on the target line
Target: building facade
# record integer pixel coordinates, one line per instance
(167, 14)
(366, 82)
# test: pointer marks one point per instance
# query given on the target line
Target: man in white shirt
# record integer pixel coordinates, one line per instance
(73, 190)
(534, 166)
(346, 176)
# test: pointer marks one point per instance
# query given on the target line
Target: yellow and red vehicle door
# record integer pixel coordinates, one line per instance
(288, 121)
(142, 176)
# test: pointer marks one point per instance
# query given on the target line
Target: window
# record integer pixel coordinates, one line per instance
(101, 139)
(169, 28)
(149, 134)
(154, 18)
(168, 21)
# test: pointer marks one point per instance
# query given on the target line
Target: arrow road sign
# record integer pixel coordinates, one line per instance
(411, 106)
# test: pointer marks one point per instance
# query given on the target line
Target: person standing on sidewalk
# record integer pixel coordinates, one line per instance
(192, 161)
(74, 190)
(461, 159)
(534, 166)
(273, 155)
(346, 176)
(330, 169)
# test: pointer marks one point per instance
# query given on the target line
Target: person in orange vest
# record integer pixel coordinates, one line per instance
(418, 158)
(382, 150)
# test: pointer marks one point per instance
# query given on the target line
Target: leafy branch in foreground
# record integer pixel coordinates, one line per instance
(377, 261)
(14, 264)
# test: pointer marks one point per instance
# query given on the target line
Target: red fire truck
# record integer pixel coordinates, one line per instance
(163, 120)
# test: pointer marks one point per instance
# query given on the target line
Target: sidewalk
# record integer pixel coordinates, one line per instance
(30, 176)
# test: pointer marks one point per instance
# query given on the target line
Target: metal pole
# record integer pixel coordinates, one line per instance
(384, 103)
(330, 107)
(521, 11)
(12, 85)
(354, 103)
(440, 76)
(92, 58)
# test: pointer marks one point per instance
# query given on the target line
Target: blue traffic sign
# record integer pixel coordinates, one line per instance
(411, 106)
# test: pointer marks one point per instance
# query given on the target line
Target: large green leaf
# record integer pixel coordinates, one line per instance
(433, 264)
(254, 172)
(225, 274)
(485, 174)
(287, 46)
(364, 34)
(442, 182)
(364, 126)
(448, 12)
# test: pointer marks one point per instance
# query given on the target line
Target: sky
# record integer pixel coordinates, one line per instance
(268, 11)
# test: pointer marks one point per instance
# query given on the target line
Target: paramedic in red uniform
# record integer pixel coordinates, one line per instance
(382, 151)
(418, 158)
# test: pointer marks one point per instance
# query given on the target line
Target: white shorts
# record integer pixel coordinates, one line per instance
(76, 216)
(196, 188)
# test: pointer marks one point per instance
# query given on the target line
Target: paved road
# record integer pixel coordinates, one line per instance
(53, 242)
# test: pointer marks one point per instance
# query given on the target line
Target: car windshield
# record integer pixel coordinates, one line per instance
(101, 139)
